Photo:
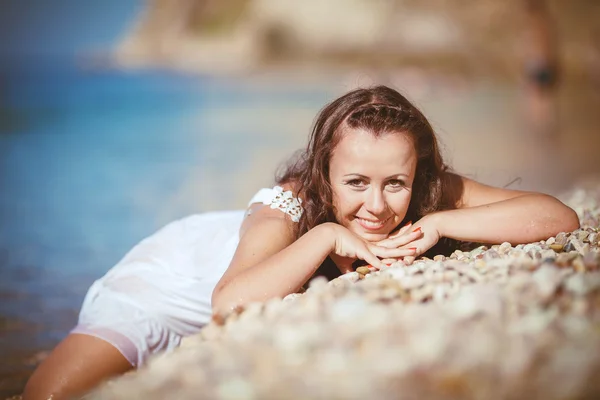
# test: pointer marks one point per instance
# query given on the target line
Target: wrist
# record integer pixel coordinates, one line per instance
(437, 221)
(326, 233)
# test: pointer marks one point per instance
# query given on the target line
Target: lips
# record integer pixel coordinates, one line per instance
(371, 225)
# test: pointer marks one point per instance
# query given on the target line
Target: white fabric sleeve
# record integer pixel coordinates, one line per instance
(279, 199)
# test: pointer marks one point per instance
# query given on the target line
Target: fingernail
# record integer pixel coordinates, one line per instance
(417, 229)
(412, 248)
(409, 223)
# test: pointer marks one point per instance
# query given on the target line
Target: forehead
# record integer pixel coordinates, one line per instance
(364, 153)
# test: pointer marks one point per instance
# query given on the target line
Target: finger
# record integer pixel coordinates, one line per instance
(401, 240)
(372, 259)
(384, 252)
(409, 260)
(389, 261)
(402, 230)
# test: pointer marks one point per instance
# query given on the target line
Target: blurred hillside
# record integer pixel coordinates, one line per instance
(476, 37)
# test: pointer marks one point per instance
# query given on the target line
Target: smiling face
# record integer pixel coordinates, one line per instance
(372, 178)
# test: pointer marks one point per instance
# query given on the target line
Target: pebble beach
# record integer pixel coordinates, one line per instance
(493, 322)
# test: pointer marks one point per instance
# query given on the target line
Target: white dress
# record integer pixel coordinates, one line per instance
(161, 290)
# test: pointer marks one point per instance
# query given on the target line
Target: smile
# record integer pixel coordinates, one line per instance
(371, 225)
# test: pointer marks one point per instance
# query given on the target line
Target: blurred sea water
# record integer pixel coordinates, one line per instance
(93, 161)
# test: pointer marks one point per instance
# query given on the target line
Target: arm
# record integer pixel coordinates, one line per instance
(268, 262)
(494, 215)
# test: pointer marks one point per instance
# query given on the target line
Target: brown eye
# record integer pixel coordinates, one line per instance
(397, 183)
(355, 182)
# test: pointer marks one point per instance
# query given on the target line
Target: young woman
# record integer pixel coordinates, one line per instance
(372, 166)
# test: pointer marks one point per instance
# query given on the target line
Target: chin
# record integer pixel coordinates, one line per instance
(371, 236)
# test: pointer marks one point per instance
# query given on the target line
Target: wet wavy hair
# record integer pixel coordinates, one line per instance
(379, 110)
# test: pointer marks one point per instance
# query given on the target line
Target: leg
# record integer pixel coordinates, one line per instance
(76, 365)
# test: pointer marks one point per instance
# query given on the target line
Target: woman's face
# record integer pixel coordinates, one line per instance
(372, 181)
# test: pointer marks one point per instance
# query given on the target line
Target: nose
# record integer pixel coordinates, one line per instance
(375, 202)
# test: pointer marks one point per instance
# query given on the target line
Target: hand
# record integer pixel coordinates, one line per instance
(429, 236)
(401, 239)
(348, 248)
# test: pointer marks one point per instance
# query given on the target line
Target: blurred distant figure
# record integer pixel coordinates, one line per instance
(541, 68)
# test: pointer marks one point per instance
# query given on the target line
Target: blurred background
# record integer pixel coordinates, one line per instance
(119, 116)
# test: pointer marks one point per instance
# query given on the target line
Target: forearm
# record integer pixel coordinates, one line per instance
(523, 219)
(277, 276)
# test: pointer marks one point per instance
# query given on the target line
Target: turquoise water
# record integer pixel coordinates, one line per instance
(91, 162)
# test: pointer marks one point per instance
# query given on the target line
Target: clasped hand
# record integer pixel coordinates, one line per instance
(406, 244)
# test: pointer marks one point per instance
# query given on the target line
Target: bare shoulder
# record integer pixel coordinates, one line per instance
(471, 193)
(264, 232)
(259, 214)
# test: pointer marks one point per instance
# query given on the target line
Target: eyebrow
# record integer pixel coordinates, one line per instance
(366, 177)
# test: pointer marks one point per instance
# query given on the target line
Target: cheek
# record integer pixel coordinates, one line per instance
(400, 203)
(345, 203)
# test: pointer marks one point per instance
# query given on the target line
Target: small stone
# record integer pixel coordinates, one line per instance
(564, 259)
(361, 276)
(504, 247)
(477, 253)
(439, 293)
(317, 283)
(439, 257)
(412, 270)
(550, 241)
(413, 281)
(582, 235)
(561, 238)
(363, 270)
(450, 275)
(569, 247)
(491, 255)
(396, 273)
(438, 277)
(547, 254)
(349, 276)
(580, 247)
(557, 247)
(578, 264)
(591, 260)
(530, 247)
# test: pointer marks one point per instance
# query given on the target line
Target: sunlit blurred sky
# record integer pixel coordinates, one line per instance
(55, 28)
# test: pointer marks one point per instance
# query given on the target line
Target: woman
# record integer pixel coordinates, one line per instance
(372, 165)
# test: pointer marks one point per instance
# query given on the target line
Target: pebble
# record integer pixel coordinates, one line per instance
(451, 327)
(363, 270)
(561, 238)
(569, 247)
(557, 247)
(582, 235)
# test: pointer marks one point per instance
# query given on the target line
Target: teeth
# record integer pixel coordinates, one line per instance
(371, 224)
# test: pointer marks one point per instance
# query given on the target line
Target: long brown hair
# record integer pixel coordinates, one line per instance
(378, 110)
